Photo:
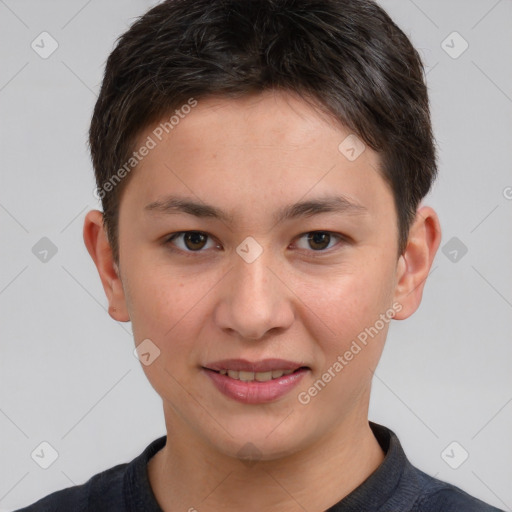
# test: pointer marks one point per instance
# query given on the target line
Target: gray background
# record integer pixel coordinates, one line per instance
(68, 373)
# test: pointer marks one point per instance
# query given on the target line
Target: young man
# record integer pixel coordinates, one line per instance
(261, 166)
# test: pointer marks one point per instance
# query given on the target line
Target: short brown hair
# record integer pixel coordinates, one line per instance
(346, 55)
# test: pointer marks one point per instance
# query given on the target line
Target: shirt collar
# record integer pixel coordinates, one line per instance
(382, 484)
(374, 492)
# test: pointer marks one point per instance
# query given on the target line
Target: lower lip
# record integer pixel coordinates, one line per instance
(255, 392)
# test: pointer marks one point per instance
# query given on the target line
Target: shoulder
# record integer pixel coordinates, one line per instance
(106, 486)
(404, 487)
(118, 489)
(437, 495)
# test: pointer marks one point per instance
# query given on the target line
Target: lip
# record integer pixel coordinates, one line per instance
(264, 365)
(255, 392)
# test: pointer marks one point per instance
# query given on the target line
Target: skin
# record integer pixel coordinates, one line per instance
(250, 157)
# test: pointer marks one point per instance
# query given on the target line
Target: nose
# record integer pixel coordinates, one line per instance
(253, 300)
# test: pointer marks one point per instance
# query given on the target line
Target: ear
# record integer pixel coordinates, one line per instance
(96, 241)
(415, 263)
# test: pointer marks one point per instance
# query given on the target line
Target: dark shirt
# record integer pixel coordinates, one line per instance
(395, 486)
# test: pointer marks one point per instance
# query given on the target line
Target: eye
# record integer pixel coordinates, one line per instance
(195, 241)
(190, 241)
(320, 240)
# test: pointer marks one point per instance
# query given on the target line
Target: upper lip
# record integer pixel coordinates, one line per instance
(264, 365)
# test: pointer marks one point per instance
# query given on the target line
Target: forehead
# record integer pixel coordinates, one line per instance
(272, 120)
(256, 152)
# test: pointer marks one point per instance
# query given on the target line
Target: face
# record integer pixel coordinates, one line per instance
(286, 262)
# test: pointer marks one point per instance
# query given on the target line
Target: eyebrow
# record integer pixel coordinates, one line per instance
(330, 204)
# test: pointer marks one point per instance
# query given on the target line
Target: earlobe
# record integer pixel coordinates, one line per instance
(414, 264)
(96, 241)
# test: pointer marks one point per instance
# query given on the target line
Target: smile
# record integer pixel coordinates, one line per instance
(256, 376)
(253, 383)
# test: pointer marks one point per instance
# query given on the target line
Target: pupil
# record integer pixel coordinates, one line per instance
(319, 237)
(195, 238)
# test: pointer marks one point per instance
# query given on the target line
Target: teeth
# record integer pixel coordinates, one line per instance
(246, 375)
(258, 376)
(263, 376)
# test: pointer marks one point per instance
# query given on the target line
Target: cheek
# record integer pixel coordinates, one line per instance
(173, 310)
(158, 299)
(167, 310)
(351, 300)
(350, 336)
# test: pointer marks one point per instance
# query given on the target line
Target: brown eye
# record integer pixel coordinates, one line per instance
(194, 240)
(319, 240)
(320, 243)
(189, 241)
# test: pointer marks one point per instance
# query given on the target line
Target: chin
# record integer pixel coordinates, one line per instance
(264, 441)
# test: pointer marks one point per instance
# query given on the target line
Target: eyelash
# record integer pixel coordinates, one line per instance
(187, 253)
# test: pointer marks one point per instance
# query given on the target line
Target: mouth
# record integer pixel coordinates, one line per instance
(255, 382)
(248, 376)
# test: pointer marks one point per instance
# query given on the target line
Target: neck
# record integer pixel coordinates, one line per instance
(187, 474)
